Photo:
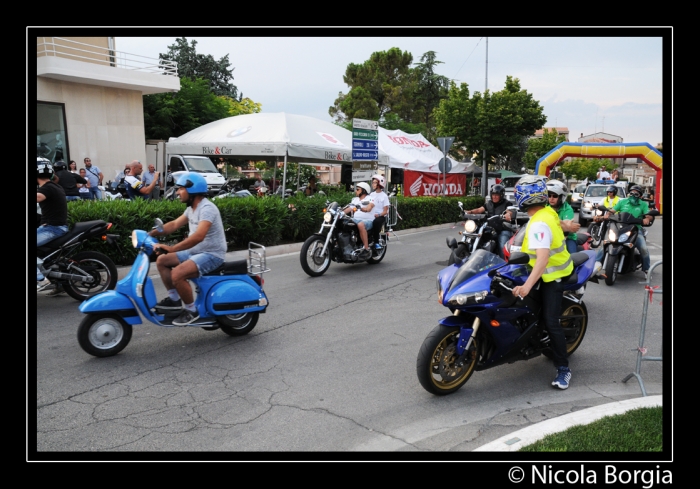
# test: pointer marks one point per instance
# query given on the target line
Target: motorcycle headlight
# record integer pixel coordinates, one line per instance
(470, 226)
(612, 234)
(471, 298)
(327, 217)
(624, 237)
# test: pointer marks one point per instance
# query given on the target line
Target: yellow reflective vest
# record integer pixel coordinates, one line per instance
(559, 264)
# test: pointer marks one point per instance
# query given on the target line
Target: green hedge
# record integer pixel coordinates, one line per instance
(268, 221)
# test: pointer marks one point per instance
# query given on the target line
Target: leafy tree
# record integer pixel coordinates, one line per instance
(192, 65)
(388, 89)
(538, 147)
(429, 89)
(242, 106)
(174, 114)
(381, 85)
(495, 123)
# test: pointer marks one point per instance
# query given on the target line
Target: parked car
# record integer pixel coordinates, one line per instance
(509, 184)
(594, 195)
(577, 196)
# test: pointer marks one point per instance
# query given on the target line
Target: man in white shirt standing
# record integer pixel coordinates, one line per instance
(603, 174)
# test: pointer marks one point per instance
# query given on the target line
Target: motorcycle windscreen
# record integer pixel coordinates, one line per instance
(481, 261)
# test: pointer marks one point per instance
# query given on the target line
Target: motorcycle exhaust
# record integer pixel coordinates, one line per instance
(70, 277)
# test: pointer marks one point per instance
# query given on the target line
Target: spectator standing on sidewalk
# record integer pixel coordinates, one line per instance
(94, 176)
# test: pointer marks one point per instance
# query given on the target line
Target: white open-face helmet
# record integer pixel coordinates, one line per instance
(364, 186)
(379, 179)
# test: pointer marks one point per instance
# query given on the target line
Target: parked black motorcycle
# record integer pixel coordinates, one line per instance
(81, 274)
(620, 253)
(338, 240)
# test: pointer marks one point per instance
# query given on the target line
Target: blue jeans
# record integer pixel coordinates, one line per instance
(571, 246)
(206, 262)
(503, 238)
(641, 245)
(72, 197)
(44, 234)
(95, 193)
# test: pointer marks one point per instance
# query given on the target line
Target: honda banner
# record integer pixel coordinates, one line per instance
(419, 184)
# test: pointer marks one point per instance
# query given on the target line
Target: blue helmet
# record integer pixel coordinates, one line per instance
(193, 182)
(530, 190)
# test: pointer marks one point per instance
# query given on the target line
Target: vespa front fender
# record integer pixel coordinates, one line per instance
(111, 301)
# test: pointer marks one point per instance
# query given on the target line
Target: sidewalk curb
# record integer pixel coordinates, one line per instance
(527, 436)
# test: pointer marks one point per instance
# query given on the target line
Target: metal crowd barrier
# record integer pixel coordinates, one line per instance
(641, 350)
(392, 217)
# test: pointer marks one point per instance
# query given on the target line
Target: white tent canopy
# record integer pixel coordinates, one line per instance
(264, 136)
(413, 152)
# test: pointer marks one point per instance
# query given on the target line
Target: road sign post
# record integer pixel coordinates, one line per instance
(365, 148)
(445, 165)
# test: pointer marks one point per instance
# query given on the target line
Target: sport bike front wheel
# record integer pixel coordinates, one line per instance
(440, 369)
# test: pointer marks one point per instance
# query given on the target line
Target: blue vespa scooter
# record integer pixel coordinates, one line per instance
(230, 298)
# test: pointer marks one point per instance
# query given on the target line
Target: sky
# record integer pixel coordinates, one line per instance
(601, 81)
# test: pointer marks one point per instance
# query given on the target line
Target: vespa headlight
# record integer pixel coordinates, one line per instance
(470, 226)
(470, 298)
(327, 217)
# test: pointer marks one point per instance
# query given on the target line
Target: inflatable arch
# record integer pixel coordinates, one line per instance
(644, 151)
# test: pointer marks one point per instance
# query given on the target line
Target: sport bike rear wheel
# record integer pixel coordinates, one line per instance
(96, 265)
(574, 322)
(440, 370)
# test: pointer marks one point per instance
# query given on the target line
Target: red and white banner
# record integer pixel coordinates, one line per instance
(420, 184)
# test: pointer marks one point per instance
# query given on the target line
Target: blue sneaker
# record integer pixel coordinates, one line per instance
(377, 246)
(563, 378)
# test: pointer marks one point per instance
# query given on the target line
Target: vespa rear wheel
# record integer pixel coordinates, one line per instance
(574, 322)
(98, 266)
(103, 335)
(440, 370)
(238, 324)
(458, 254)
(313, 262)
(611, 269)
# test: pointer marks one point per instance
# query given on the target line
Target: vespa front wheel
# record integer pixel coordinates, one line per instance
(103, 335)
(440, 369)
(312, 260)
(238, 324)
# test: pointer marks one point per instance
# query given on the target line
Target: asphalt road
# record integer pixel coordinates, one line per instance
(329, 372)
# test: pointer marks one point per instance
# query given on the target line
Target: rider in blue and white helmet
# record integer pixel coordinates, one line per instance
(550, 262)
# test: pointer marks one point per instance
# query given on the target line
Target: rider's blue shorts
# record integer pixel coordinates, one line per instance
(206, 262)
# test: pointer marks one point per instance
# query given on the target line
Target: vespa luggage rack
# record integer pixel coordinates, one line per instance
(257, 259)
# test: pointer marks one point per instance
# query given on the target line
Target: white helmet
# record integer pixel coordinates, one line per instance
(557, 187)
(365, 187)
(379, 178)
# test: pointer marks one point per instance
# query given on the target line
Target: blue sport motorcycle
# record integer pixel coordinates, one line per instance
(489, 326)
(229, 298)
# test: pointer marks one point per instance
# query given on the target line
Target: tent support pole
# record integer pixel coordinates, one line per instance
(284, 176)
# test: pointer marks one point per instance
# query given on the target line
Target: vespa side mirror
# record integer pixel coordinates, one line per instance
(158, 225)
